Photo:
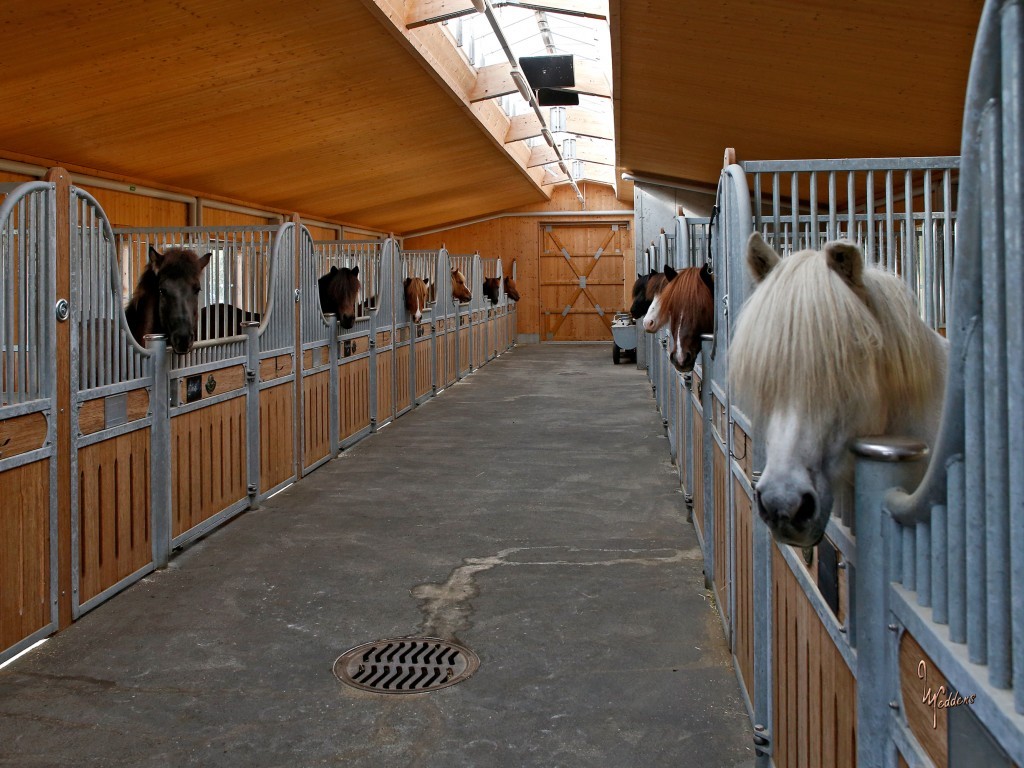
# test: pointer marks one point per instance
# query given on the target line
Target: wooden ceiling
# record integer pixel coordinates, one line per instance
(786, 79)
(333, 110)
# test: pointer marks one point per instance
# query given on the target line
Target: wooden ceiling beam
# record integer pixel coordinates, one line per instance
(420, 13)
(492, 82)
(598, 151)
(523, 127)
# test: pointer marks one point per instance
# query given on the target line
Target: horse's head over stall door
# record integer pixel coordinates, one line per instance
(827, 350)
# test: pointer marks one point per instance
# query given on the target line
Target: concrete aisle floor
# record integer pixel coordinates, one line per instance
(531, 512)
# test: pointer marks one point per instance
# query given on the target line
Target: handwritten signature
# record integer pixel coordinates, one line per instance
(941, 698)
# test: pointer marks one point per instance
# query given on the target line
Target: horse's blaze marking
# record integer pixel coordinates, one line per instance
(406, 665)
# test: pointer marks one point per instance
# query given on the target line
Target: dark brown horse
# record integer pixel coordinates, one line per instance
(646, 288)
(218, 321)
(492, 288)
(166, 298)
(687, 306)
(339, 293)
(416, 296)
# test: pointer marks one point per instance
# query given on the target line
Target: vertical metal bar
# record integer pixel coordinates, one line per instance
(908, 539)
(159, 450)
(947, 248)
(776, 213)
(910, 275)
(923, 557)
(21, 278)
(757, 202)
(815, 236)
(851, 209)
(928, 254)
(252, 412)
(1012, 95)
(957, 553)
(832, 233)
(890, 235)
(974, 479)
(996, 496)
(939, 563)
(870, 210)
(794, 204)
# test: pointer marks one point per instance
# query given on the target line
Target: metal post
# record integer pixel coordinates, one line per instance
(159, 450)
(252, 412)
(333, 389)
(882, 463)
(707, 461)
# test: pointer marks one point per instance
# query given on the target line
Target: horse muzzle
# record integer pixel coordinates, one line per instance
(791, 521)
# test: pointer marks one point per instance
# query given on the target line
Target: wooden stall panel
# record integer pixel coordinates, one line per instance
(92, 415)
(385, 376)
(698, 468)
(21, 434)
(464, 361)
(276, 460)
(113, 511)
(920, 678)
(403, 372)
(450, 374)
(24, 551)
(316, 441)
(743, 642)
(479, 345)
(721, 543)
(424, 368)
(815, 694)
(354, 391)
(208, 462)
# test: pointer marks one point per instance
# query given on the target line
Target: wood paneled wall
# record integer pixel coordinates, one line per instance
(514, 238)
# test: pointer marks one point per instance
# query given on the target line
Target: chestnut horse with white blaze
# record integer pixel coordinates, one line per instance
(416, 296)
(686, 306)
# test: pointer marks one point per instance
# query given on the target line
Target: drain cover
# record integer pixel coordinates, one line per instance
(406, 665)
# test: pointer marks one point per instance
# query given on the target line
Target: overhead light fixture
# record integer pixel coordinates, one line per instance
(521, 84)
(569, 148)
(557, 119)
(577, 169)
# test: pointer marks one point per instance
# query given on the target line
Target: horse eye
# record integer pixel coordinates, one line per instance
(162, 292)
(196, 291)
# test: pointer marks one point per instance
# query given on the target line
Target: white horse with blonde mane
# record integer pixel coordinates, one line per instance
(825, 351)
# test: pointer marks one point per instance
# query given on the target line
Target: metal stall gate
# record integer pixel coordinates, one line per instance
(493, 313)
(511, 315)
(117, 420)
(444, 318)
(29, 413)
(232, 398)
(321, 402)
(423, 379)
(468, 313)
(356, 355)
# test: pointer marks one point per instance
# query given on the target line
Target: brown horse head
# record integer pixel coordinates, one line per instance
(686, 305)
(339, 291)
(510, 288)
(460, 290)
(416, 296)
(166, 298)
(492, 288)
(646, 288)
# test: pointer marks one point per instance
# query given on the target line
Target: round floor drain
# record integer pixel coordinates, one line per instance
(406, 665)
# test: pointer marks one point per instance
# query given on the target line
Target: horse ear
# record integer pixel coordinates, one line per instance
(669, 272)
(156, 259)
(355, 270)
(333, 269)
(845, 259)
(426, 281)
(407, 281)
(204, 260)
(761, 258)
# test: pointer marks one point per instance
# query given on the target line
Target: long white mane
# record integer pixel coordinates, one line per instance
(860, 358)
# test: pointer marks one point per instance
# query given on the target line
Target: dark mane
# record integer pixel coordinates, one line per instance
(339, 292)
(165, 299)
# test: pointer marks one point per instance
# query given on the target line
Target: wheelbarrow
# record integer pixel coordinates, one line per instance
(623, 335)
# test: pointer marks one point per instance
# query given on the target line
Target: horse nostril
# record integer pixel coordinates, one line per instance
(805, 512)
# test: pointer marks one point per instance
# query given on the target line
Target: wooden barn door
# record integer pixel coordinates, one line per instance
(581, 280)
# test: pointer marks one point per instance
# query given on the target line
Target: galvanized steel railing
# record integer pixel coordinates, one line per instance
(962, 531)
